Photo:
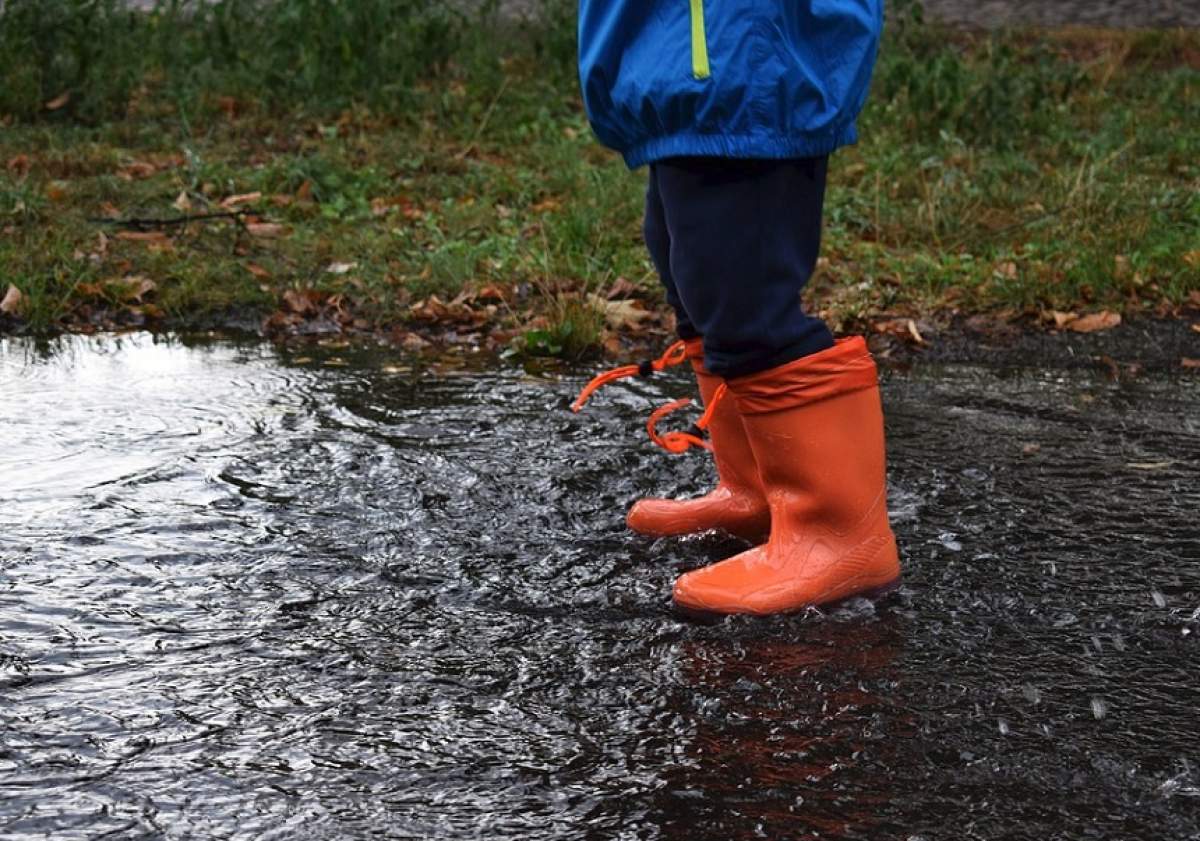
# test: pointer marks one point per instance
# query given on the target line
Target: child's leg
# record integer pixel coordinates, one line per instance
(743, 239)
(658, 242)
(737, 503)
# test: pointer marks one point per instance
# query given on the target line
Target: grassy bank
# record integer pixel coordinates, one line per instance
(197, 163)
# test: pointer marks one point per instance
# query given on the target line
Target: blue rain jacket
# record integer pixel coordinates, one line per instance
(726, 78)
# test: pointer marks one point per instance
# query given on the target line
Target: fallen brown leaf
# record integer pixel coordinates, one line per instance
(1120, 267)
(901, 328)
(1060, 319)
(182, 202)
(236, 201)
(490, 293)
(267, 230)
(11, 303)
(137, 169)
(413, 342)
(386, 204)
(59, 101)
(142, 236)
(258, 271)
(1188, 362)
(133, 288)
(228, 105)
(1095, 322)
(621, 288)
(19, 165)
(1007, 269)
(1114, 370)
(302, 301)
(623, 314)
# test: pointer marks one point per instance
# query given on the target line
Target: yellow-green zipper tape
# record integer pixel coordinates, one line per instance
(700, 68)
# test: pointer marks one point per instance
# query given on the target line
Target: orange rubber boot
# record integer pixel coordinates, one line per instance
(816, 427)
(737, 504)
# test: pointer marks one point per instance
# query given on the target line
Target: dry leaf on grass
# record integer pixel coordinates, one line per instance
(490, 292)
(1007, 269)
(457, 311)
(621, 288)
(266, 230)
(137, 169)
(622, 314)
(143, 236)
(134, 288)
(19, 165)
(258, 271)
(11, 303)
(1188, 362)
(1095, 322)
(413, 342)
(59, 101)
(237, 201)
(901, 328)
(302, 301)
(341, 268)
(1060, 319)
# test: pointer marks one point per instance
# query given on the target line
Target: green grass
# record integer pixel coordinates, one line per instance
(1011, 173)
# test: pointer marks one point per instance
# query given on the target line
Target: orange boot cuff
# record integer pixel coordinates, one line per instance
(842, 369)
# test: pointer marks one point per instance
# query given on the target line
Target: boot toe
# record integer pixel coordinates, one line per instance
(713, 590)
(653, 517)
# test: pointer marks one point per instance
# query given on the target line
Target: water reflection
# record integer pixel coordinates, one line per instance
(782, 720)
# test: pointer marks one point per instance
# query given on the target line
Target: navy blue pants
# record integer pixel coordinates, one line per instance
(734, 242)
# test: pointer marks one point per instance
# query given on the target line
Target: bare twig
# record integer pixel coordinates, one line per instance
(149, 223)
(487, 116)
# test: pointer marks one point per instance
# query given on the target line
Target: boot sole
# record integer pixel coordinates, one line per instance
(712, 617)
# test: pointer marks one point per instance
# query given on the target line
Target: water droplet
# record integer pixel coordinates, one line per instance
(1003, 725)
(1099, 708)
(1159, 598)
(1031, 693)
(947, 539)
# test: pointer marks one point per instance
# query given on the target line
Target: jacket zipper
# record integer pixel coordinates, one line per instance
(700, 68)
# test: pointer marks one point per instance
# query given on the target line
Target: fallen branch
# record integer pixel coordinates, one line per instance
(147, 223)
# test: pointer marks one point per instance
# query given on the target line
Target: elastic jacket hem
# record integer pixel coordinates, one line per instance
(774, 147)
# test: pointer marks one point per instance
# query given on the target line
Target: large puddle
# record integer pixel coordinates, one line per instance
(246, 593)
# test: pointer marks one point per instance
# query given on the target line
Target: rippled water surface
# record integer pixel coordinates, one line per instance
(249, 593)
